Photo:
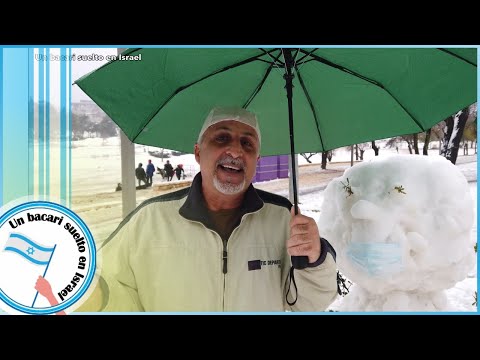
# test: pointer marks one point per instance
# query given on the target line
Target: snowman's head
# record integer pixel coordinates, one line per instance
(401, 223)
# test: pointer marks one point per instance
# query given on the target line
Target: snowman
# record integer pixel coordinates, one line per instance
(401, 227)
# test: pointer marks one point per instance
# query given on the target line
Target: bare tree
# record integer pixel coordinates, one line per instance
(80, 124)
(375, 148)
(106, 128)
(428, 134)
(307, 156)
(362, 147)
(324, 160)
(415, 143)
(470, 132)
(393, 142)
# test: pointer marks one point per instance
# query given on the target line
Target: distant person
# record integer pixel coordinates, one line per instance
(168, 170)
(179, 170)
(119, 187)
(140, 174)
(150, 171)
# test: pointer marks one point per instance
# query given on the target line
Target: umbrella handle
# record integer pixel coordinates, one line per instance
(299, 262)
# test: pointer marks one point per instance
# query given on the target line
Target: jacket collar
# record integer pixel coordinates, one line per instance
(196, 209)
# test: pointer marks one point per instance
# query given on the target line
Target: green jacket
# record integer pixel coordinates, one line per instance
(165, 258)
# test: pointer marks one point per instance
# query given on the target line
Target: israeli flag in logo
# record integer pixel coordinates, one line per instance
(29, 249)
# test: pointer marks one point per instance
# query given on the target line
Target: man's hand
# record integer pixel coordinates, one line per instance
(304, 237)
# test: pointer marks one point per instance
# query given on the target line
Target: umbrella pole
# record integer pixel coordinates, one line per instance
(289, 87)
(298, 262)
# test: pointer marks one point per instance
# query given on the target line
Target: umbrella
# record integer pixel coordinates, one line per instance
(306, 99)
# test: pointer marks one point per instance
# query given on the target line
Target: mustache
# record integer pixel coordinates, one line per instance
(228, 160)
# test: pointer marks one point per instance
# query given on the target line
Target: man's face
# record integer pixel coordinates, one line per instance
(228, 154)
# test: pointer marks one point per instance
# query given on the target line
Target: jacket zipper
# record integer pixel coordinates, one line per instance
(224, 270)
(224, 261)
(225, 257)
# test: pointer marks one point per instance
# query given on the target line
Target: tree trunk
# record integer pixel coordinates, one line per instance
(453, 133)
(361, 154)
(324, 160)
(428, 133)
(409, 148)
(447, 133)
(415, 144)
(356, 152)
(375, 148)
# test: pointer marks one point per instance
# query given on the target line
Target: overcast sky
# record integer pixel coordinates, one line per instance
(80, 68)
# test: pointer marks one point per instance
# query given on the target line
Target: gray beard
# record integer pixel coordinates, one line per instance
(227, 188)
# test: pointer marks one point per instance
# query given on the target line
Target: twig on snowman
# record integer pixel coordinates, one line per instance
(347, 187)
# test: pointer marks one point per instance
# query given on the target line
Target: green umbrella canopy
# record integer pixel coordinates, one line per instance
(341, 96)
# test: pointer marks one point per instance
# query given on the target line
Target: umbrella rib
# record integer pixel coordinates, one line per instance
(376, 83)
(260, 85)
(404, 109)
(305, 55)
(309, 99)
(276, 62)
(457, 56)
(342, 68)
(181, 88)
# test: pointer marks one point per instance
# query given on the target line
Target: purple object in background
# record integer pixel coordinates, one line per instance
(271, 167)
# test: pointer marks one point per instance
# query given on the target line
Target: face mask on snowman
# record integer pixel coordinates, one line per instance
(376, 259)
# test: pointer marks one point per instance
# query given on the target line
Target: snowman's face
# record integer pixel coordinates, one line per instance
(377, 249)
(390, 232)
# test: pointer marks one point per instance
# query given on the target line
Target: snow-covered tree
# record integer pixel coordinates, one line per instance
(453, 132)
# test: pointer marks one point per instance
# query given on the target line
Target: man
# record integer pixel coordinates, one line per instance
(150, 171)
(140, 174)
(168, 170)
(220, 245)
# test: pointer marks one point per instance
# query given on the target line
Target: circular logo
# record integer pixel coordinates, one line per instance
(47, 258)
